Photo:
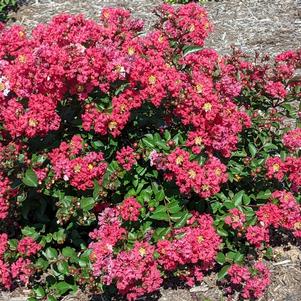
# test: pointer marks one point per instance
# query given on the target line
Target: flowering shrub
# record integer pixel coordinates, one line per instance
(127, 159)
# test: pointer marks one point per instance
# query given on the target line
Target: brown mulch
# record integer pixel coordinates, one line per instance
(268, 26)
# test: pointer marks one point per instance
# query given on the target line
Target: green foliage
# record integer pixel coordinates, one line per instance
(5, 6)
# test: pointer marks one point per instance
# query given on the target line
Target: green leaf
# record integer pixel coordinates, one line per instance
(51, 253)
(223, 272)
(263, 195)
(246, 199)
(96, 189)
(183, 220)
(60, 236)
(87, 203)
(161, 232)
(252, 149)
(42, 263)
(69, 252)
(40, 292)
(173, 207)
(237, 199)
(30, 231)
(148, 143)
(62, 267)
(222, 232)
(220, 258)
(191, 49)
(62, 287)
(30, 179)
(160, 214)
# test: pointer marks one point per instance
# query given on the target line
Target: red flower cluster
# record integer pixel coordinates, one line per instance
(292, 139)
(290, 167)
(21, 268)
(251, 283)
(257, 235)
(135, 272)
(130, 209)
(283, 212)
(206, 103)
(185, 24)
(27, 246)
(190, 252)
(190, 176)
(235, 219)
(126, 157)
(6, 194)
(81, 170)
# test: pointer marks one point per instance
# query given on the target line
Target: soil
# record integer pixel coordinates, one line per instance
(268, 26)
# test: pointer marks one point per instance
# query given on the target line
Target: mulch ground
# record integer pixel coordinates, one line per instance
(269, 26)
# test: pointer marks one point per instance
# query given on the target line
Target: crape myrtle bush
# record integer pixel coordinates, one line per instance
(130, 158)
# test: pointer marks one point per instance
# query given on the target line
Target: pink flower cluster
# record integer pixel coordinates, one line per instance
(21, 268)
(276, 89)
(235, 219)
(126, 157)
(6, 195)
(185, 24)
(290, 167)
(192, 249)
(282, 212)
(292, 139)
(257, 235)
(190, 176)
(189, 252)
(207, 104)
(70, 163)
(130, 209)
(285, 213)
(135, 272)
(250, 282)
(27, 246)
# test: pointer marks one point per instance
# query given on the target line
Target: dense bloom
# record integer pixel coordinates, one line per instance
(292, 139)
(6, 193)
(81, 170)
(275, 168)
(276, 89)
(130, 209)
(91, 111)
(27, 246)
(131, 268)
(252, 282)
(126, 157)
(257, 236)
(197, 243)
(235, 219)
(190, 176)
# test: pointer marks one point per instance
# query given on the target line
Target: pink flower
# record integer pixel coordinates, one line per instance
(275, 168)
(292, 139)
(236, 219)
(250, 283)
(276, 89)
(126, 157)
(257, 236)
(130, 209)
(27, 246)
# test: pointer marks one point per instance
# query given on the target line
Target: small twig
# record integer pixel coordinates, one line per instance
(282, 262)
